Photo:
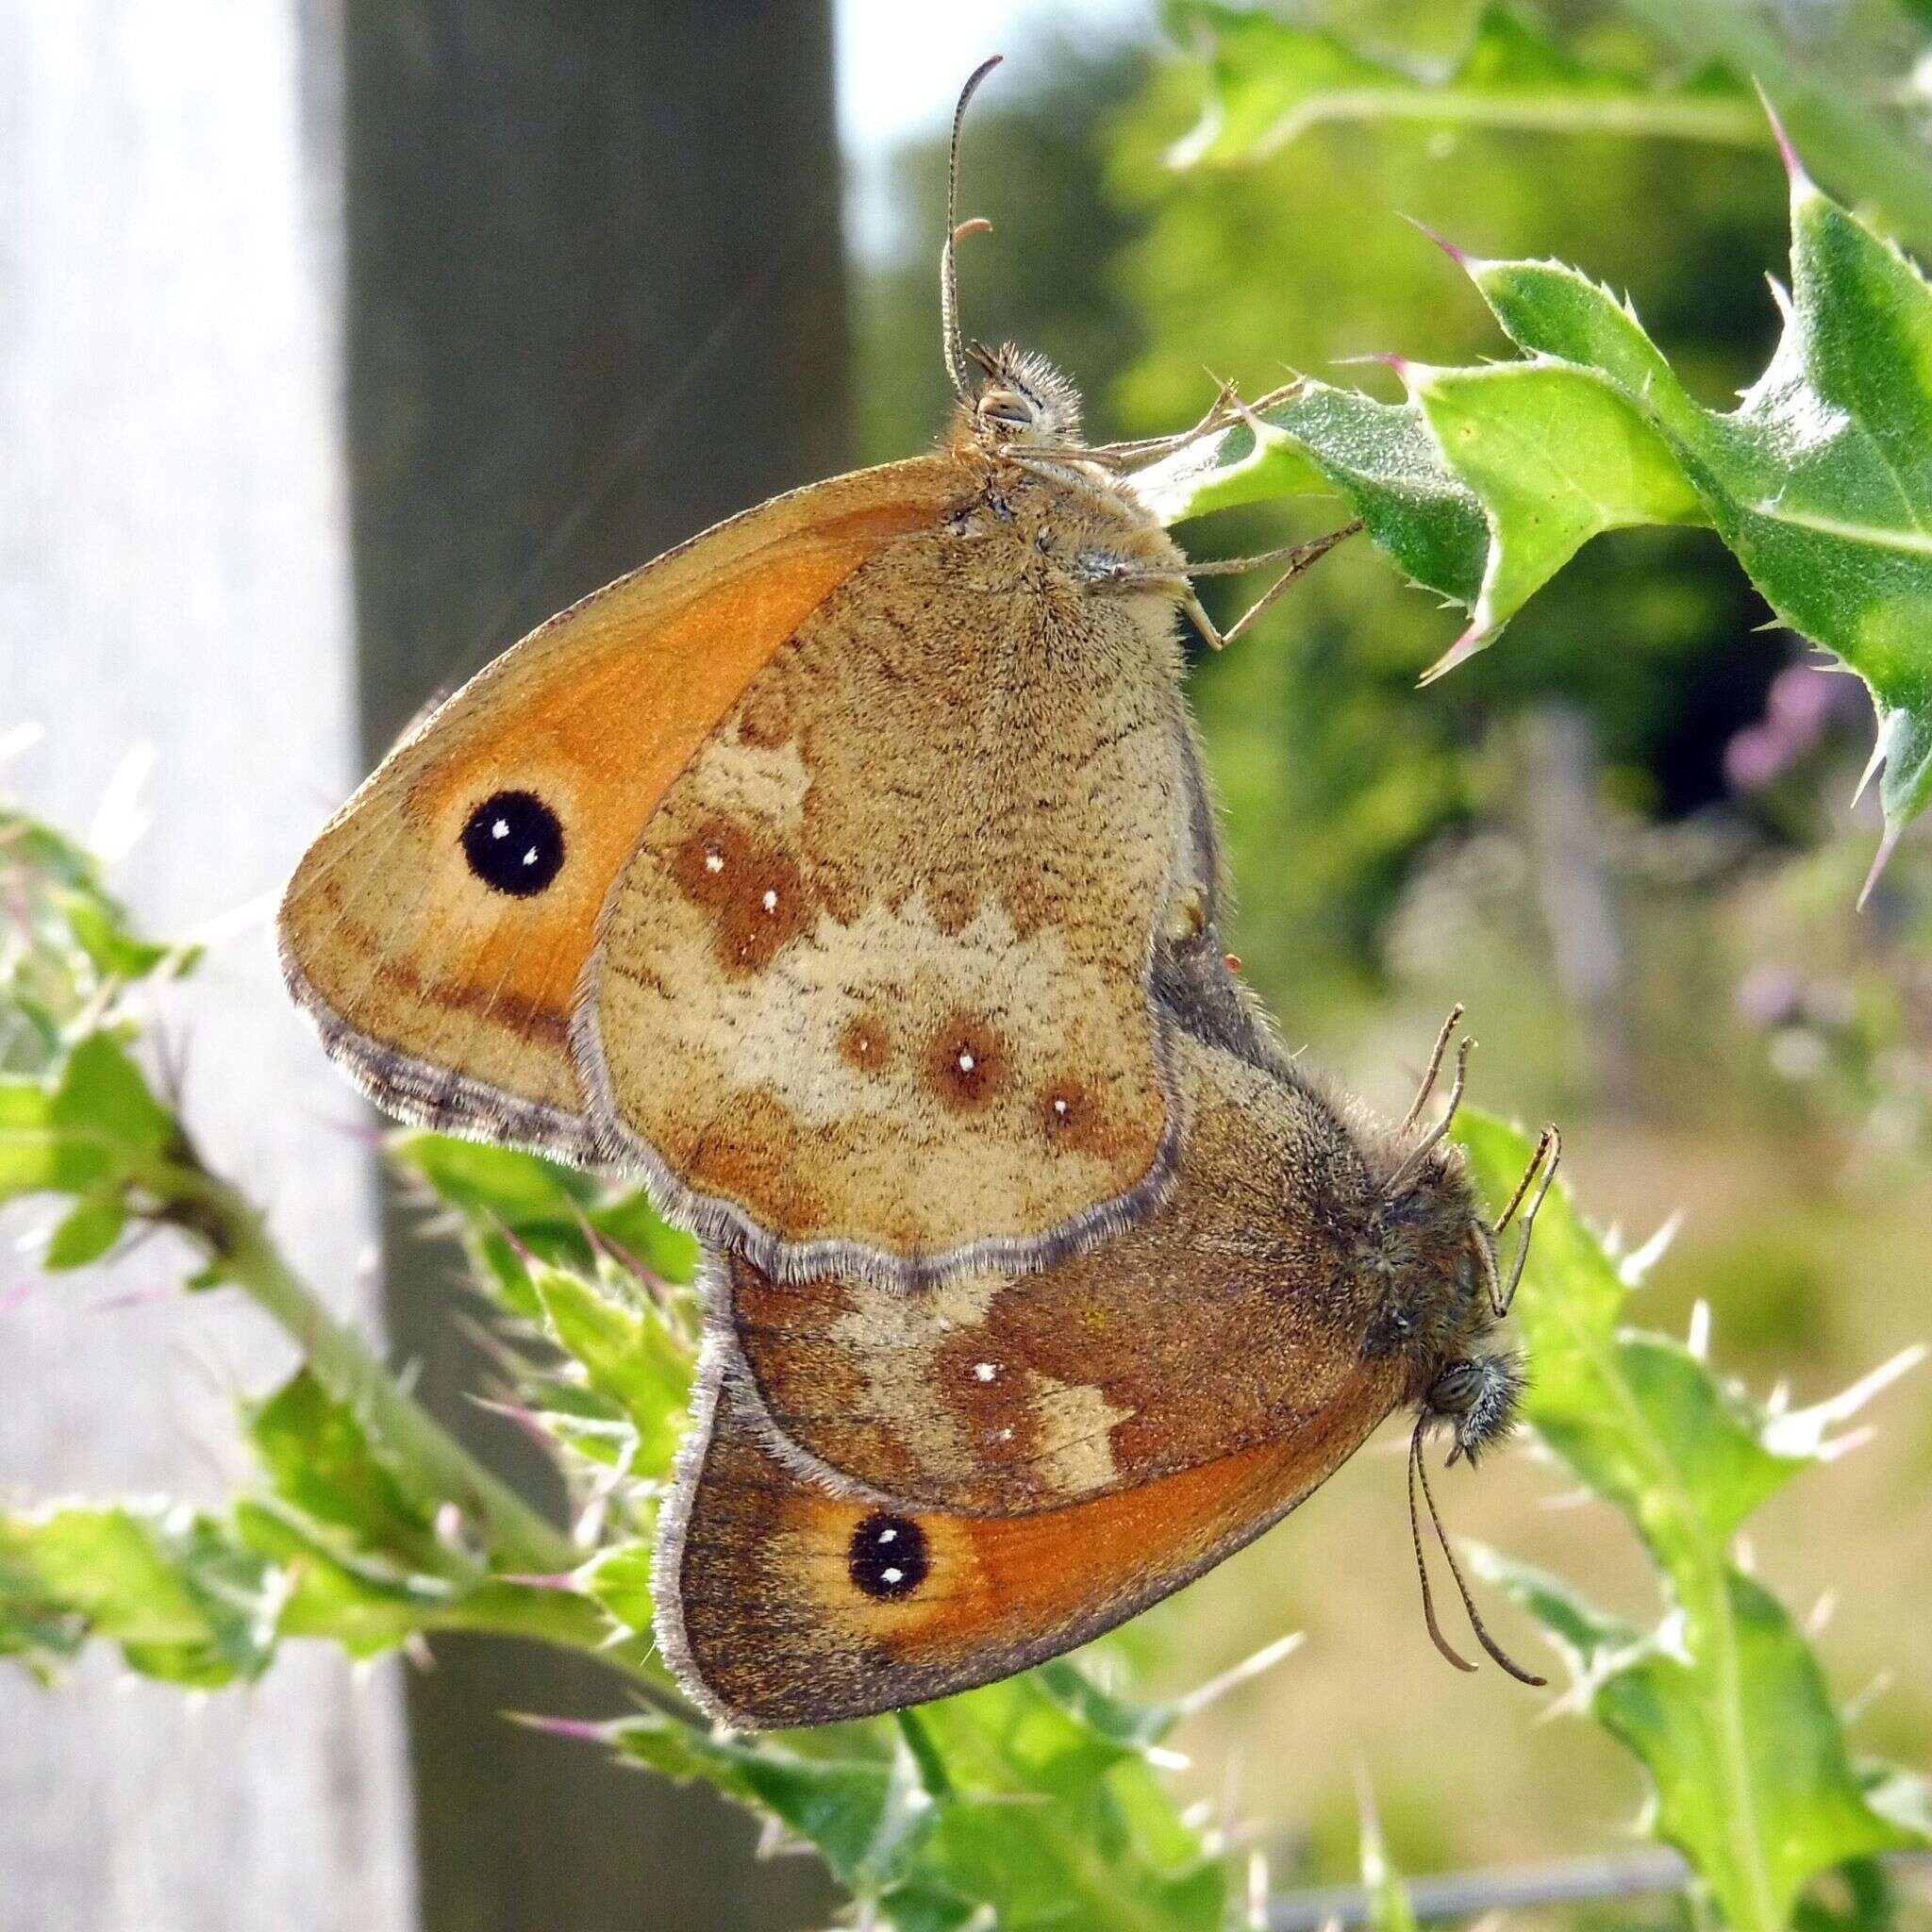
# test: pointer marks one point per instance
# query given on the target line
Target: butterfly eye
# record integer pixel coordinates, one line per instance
(888, 1558)
(1007, 407)
(1456, 1389)
(514, 844)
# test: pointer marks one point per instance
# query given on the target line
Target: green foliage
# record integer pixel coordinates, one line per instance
(1033, 1799)
(1722, 1700)
(1818, 482)
(183, 1597)
(65, 944)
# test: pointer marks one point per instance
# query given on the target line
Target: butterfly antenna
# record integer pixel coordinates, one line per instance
(1411, 1165)
(1548, 1156)
(949, 269)
(1428, 1086)
(1422, 1566)
(1418, 1468)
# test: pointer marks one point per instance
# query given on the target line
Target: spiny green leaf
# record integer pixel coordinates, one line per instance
(628, 1353)
(514, 1204)
(320, 1458)
(508, 1185)
(1100, 1844)
(1379, 456)
(1724, 1702)
(1820, 480)
(1704, 1697)
(1488, 480)
(366, 1608)
(182, 1596)
(618, 1579)
(1045, 1811)
(1271, 80)
(863, 1815)
(1587, 1638)
(1555, 458)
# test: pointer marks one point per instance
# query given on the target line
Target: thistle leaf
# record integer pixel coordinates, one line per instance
(1723, 1701)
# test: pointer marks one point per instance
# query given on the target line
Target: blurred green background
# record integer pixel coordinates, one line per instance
(1623, 837)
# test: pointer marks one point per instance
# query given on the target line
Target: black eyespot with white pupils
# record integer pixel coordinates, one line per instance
(888, 1558)
(514, 844)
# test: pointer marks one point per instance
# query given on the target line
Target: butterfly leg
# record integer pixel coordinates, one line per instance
(1226, 412)
(1137, 452)
(1108, 573)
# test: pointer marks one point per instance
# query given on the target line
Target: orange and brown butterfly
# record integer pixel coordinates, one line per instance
(818, 871)
(886, 1497)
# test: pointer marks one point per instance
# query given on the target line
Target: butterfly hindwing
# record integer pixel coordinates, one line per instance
(1226, 1319)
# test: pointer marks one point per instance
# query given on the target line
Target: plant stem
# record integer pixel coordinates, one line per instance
(1851, 142)
(567, 1620)
(223, 1221)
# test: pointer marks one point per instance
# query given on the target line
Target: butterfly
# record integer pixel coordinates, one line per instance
(890, 1498)
(819, 871)
(850, 873)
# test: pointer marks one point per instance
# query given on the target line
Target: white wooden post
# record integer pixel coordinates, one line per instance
(174, 571)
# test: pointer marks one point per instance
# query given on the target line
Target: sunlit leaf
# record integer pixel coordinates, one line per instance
(1379, 457)
(320, 1458)
(1820, 480)
(87, 1233)
(628, 1353)
(1271, 79)
(514, 1205)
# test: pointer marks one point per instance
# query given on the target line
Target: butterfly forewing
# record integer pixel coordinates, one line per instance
(782, 1603)
(812, 871)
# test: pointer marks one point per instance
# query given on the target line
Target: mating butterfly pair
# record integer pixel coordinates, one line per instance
(849, 874)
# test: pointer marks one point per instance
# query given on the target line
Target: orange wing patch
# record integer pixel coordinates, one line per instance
(449, 995)
(780, 1603)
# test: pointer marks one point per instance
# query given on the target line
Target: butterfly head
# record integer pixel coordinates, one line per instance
(1020, 398)
(1449, 1285)
(1007, 395)
(1478, 1397)
(1449, 1292)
